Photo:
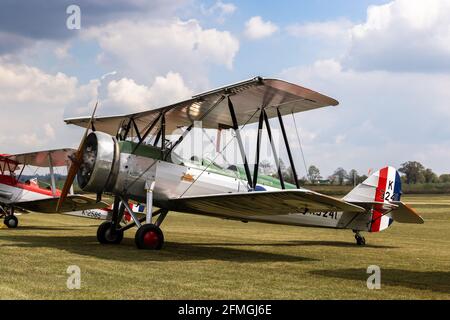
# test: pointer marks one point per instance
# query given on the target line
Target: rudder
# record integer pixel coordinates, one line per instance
(383, 186)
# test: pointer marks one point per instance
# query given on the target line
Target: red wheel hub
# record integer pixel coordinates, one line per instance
(151, 239)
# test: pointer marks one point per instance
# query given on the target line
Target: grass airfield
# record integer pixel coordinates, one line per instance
(207, 258)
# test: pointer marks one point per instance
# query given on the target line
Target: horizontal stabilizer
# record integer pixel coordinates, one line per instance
(72, 203)
(405, 214)
(261, 203)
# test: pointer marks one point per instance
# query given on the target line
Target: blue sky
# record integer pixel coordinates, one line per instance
(387, 62)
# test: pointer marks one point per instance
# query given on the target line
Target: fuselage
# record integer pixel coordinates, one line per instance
(174, 178)
(13, 191)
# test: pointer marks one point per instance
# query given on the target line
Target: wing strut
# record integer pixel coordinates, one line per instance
(258, 148)
(163, 135)
(186, 132)
(239, 139)
(52, 174)
(147, 133)
(136, 129)
(274, 150)
(288, 148)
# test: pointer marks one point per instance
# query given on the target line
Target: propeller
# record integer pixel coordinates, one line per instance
(76, 164)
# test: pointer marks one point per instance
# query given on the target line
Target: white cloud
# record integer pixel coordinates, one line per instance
(403, 35)
(62, 52)
(33, 106)
(147, 49)
(393, 102)
(335, 29)
(128, 96)
(384, 117)
(220, 10)
(256, 28)
(49, 131)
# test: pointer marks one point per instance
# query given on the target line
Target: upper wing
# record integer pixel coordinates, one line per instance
(261, 203)
(72, 203)
(59, 158)
(247, 97)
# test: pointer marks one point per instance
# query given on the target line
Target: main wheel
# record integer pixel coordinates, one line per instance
(360, 241)
(149, 237)
(11, 222)
(108, 234)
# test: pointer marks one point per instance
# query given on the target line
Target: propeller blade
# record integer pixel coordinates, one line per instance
(76, 164)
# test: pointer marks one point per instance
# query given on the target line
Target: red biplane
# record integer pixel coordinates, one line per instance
(27, 194)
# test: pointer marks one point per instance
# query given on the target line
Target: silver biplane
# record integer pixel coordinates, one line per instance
(131, 157)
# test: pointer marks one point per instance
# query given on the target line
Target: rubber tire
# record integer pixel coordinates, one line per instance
(11, 222)
(142, 231)
(360, 241)
(104, 235)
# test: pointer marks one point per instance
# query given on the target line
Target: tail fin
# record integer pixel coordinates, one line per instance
(382, 187)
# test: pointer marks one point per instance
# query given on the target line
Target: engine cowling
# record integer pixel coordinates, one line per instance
(100, 162)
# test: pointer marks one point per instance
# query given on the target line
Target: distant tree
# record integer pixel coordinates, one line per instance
(286, 172)
(413, 171)
(282, 165)
(339, 176)
(288, 175)
(352, 177)
(314, 174)
(332, 179)
(362, 178)
(303, 180)
(266, 167)
(430, 176)
(444, 178)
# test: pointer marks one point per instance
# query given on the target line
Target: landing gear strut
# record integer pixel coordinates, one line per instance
(148, 236)
(108, 234)
(360, 240)
(11, 220)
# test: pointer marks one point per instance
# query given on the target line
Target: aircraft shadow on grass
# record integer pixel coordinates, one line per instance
(436, 281)
(172, 251)
(42, 228)
(299, 243)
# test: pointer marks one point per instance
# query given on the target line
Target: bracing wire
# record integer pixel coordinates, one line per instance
(215, 158)
(224, 158)
(301, 148)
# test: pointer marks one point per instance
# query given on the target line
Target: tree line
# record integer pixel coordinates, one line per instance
(412, 172)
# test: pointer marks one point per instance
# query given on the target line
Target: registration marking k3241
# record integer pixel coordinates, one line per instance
(326, 214)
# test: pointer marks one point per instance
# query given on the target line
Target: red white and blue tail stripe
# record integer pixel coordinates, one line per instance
(382, 187)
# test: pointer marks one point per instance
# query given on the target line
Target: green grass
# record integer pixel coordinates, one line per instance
(210, 258)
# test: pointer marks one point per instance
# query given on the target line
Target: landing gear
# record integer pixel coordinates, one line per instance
(11, 222)
(360, 240)
(149, 237)
(108, 234)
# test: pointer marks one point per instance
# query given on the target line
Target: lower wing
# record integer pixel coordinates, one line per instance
(261, 203)
(72, 203)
